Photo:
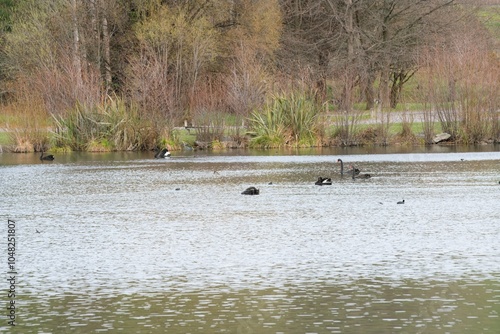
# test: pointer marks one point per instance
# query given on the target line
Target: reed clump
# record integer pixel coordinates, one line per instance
(286, 120)
(112, 126)
(28, 128)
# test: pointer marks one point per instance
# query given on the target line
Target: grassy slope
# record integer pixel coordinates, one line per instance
(490, 15)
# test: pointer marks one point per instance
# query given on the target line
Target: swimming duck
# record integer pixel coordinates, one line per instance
(250, 191)
(49, 157)
(359, 176)
(323, 181)
(162, 154)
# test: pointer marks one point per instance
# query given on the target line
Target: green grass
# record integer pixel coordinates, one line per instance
(4, 138)
(396, 128)
(490, 15)
(185, 136)
(416, 128)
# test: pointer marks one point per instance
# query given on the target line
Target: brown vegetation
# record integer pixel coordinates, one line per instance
(215, 64)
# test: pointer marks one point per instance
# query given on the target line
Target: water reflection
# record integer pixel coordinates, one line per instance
(121, 249)
(367, 306)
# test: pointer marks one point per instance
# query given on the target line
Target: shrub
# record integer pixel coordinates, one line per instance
(286, 120)
(111, 126)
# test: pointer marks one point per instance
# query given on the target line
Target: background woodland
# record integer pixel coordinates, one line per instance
(124, 74)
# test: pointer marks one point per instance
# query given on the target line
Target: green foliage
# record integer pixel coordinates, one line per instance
(286, 120)
(112, 126)
(4, 138)
(6, 9)
(490, 16)
(31, 43)
(174, 36)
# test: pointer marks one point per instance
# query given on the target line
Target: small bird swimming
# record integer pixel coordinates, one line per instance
(49, 157)
(250, 191)
(359, 176)
(401, 202)
(323, 181)
(162, 154)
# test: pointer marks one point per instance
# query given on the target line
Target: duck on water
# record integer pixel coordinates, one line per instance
(250, 191)
(49, 157)
(359, 176)
(357, 171)
(323, 181)
(162, 154)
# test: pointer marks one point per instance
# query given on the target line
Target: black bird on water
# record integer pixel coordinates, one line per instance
(49, 157)
(359, 176)
(162, 154)
(351, 170)
(323, 181)
(250, 191)
(401, 202)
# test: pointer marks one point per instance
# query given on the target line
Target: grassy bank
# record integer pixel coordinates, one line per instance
(366, 131)
(287, 120)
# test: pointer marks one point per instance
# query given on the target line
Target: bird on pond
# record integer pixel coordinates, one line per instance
(37, 231)
(401, 202)
(357, 171)
(250, 191)
(323, 181)
(341, 166)
(162, 154)
(353, 170)
(359, 176)
(49, 157)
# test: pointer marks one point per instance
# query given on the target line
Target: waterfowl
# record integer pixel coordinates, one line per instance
(357, 171)
(250, 191)
(323, 181)
(162, 154)
(341, 166)
(401, 202)
(359, 176)
(49, 157)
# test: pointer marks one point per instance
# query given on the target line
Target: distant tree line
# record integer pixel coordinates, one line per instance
(173, 61)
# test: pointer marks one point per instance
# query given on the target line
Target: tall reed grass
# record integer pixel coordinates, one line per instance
(27, 125)
(112, 126)
(286, 120)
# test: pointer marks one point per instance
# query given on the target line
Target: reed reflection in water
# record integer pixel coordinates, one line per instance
(121, 249)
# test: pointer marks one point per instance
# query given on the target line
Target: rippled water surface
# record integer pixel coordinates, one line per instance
(136, 245)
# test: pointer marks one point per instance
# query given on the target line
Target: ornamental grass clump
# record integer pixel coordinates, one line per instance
(112, 126)
(286, 120)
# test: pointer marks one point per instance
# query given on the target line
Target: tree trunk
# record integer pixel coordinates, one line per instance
(350, 56)
(369, 92)
(107, 54)
(77, 62)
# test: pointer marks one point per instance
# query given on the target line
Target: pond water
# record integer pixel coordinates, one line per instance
(121, 242)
